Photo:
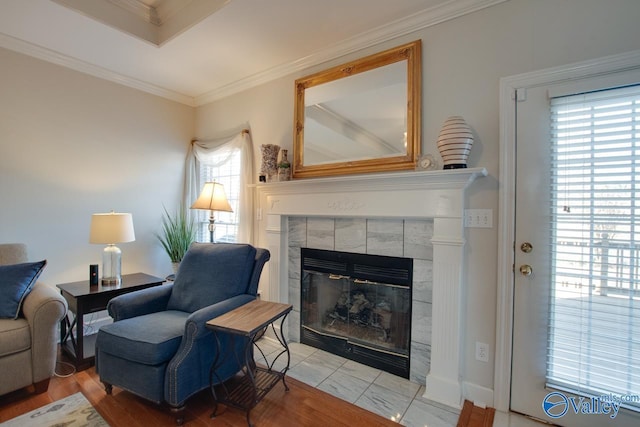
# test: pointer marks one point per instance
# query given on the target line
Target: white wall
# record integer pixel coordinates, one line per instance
(463, 61)
(72, 145)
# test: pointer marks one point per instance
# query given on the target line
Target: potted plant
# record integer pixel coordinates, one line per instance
(178, 232)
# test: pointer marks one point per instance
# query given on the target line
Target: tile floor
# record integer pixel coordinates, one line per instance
(377, 391)
(385, 394)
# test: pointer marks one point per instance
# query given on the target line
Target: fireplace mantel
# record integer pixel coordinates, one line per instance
(439, 195)
(422, 188)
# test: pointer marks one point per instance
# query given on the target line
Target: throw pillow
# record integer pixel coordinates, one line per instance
(16, 281)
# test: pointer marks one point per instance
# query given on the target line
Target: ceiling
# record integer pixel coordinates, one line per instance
(197, 51)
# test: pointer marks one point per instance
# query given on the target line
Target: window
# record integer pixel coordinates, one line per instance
(226, 170)
(229, 161)
(594, 329)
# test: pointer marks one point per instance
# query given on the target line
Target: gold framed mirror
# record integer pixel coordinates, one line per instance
(360, 117)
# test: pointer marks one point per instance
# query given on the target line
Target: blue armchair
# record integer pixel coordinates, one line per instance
(158, 346)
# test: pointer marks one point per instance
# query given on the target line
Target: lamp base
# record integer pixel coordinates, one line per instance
(111, 265)
(212, 227)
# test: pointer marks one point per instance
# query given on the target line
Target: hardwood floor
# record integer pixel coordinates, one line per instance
(473, 416)
(303, 405)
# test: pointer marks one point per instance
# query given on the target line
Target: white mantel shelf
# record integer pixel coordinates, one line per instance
(437, 195)
(451, 179)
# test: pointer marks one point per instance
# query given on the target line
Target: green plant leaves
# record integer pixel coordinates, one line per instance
(178, 232)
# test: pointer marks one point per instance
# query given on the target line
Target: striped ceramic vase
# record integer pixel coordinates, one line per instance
(454, 143)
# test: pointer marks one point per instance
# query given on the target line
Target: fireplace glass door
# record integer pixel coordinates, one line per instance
(358, 306)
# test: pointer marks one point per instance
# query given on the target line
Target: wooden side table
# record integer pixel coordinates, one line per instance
(249, 321)
(83, 299)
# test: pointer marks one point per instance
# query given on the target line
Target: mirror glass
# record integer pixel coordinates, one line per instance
(356, 118)
(363, 116)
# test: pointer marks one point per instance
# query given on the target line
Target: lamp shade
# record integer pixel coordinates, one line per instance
(212, 198)
(109, 228)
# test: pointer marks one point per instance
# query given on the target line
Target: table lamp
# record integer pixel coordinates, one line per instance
(111, 228)
(212, 198)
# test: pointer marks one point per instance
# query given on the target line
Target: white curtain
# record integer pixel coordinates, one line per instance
(222, 148)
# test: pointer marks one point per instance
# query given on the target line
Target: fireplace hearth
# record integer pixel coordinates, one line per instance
(358, 306)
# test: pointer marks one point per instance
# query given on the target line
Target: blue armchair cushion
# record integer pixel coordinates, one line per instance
(16, 281)
(151, 339)
(210, 273)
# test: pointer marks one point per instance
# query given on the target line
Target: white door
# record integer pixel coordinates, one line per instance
(542, 308)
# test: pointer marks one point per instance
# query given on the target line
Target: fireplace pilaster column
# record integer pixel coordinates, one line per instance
(276, 241)
(444, 378)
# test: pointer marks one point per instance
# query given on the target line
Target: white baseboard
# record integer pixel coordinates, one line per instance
(479, 395)
(443, 390)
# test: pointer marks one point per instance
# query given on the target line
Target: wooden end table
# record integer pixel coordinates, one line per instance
(249, 321)
(83, 299)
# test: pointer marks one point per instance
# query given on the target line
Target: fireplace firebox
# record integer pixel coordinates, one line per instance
(358, 306)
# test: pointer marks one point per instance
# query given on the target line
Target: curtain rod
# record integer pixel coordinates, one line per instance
(243, 131)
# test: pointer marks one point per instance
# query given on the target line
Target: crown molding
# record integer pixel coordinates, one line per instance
(48, 55)
(401, 27)
(148, 14)
(156, 15)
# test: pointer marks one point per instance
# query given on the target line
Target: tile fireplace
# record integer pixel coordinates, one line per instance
(382, 201)
(378, 238)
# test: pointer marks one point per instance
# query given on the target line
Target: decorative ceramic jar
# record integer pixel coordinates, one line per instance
(284, 167)
(454, 143)
(269, 167)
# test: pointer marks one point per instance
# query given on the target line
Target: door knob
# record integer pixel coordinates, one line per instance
(526, 247)
(526, 270)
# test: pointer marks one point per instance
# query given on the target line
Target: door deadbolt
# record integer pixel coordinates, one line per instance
(526, 270)
(526, 247)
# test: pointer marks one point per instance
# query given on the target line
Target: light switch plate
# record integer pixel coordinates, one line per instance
(478, 218)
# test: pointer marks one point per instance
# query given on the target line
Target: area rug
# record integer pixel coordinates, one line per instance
(72, 411)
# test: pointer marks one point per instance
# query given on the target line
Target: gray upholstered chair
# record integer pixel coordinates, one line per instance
(28, 344)
(158, 346)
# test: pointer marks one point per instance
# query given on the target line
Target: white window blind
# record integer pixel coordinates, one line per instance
(594, 319)
(228, 174)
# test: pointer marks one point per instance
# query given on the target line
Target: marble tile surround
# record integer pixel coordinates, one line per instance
(390, 237)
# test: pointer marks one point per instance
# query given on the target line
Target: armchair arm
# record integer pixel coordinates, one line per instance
(43, 308)
(138, 303)
(188, 371)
